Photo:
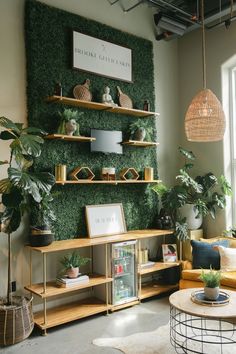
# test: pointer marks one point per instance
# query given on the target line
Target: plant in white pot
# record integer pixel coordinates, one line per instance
(140, 130)
(20, 185)
(72, 263)
(205, 194)
(211, 279)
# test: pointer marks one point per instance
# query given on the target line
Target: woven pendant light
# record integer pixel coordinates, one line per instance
(205, 119)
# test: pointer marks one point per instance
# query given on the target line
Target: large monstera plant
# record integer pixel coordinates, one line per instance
(207, 193)
(22, 184)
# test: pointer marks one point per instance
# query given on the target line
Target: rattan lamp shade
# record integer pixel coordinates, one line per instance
(205, 119)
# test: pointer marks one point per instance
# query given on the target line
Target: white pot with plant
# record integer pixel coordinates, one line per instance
(69, 122)
(211, 279)
(140, 130)
(72, 263)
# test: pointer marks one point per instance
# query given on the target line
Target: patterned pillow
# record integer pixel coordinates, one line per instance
(204, 256)
(227, 258)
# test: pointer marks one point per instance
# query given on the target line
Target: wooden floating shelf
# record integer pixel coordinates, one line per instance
(82, 139)
(53, 290)
(70, 312)
(86, 181)
(140, 143)
(100, 106)
(152, 289)
(156, 267)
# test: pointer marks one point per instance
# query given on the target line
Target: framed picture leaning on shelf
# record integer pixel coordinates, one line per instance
(105, 220)
(169, 252)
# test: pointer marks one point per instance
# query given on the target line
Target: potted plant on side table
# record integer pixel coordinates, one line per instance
(21, 184)
(211, 280)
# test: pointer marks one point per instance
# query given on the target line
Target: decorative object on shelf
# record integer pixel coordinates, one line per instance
(148, 173)
(211, 280)
(81, 92)
(207, 193)
(205, 119)
(68, 122)
(124, 99)
(146, 105)
(79, 171)
(41, 230)
(58, 89)
(108, 173)
(129, 173)
(72, 263)
(60, 173)
(106, 97)
(169, 253)
(163, 221)
(105, 220)
(66, 282)
(231, 232)
(17, 189)
(143, 256)
(198, 296)
(140, 129)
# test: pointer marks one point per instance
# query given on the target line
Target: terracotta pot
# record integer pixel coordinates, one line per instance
(211, 293)
(72, 272)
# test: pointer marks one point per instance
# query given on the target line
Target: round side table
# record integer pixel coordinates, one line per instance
(198, 329)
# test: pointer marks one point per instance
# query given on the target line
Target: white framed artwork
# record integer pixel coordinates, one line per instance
(169, 252)
(105, 220)
(100, 57)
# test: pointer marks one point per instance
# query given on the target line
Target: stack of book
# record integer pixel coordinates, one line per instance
(147, 264)
(66, 282)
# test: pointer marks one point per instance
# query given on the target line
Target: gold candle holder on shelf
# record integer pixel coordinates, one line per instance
(148, 174)
(60, 173)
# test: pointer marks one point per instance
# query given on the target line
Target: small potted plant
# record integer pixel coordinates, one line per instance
(72, 262)
(211, 280)
(42, 219)
(140, 130)
(68, 123)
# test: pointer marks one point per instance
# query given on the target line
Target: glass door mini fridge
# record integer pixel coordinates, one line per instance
(124, 272)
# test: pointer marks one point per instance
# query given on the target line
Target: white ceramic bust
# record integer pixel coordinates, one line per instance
(106, 97)
(71, 127)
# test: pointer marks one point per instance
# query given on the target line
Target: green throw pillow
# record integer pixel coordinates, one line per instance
(204, 256)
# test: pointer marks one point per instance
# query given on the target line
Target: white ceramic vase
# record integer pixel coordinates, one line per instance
(190, 214)
(211, 293)
(72, 272)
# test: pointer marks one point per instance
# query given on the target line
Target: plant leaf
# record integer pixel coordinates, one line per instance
(12, 199)
(187, 154)
(31, 144)
(225, 186)
(181, 230)
(10, 220)
(3, 162)
(5, 185)
(189, 181)
(8, 124)
(33, 130)
(7, 135)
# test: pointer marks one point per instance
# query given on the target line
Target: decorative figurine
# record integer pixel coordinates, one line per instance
(82, 92)
(106, 97)
(68, 124)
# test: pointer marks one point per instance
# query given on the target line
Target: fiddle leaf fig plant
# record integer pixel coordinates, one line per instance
(21, 184)
(207, 193)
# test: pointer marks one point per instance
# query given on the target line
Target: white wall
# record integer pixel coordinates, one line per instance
(13, 90)
(220, 47)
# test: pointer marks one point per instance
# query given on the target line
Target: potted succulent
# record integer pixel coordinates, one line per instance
(140, 130)
(72, 262)
(205, 194)
(211, 280)
(68, 122)
(43, 219)
(17, 188)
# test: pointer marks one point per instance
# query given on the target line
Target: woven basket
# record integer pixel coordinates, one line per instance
(16, 321)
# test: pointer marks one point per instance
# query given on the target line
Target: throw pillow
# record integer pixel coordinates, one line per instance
(227, 258)
(204, 256)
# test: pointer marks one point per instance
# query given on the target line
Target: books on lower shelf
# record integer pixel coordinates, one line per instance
(66, 282)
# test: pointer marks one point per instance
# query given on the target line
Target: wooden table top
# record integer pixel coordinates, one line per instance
(181, 300)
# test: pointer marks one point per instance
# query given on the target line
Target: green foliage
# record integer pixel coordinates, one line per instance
(45, 25)
(43, 214)
(141, 123)
(73, 260)
(211, 279)
(207, 193)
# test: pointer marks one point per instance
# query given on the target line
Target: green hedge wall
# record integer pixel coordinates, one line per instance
(48, 38)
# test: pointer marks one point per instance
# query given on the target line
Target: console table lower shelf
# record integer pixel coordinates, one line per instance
(70, 312)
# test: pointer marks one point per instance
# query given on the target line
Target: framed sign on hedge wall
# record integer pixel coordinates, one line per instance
(101, 57)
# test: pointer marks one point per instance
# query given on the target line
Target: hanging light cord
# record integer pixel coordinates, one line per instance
(203, 45)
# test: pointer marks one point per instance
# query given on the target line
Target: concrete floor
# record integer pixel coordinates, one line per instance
(76, 337)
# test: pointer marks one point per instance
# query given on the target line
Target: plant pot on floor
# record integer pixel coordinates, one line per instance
(40, 236)
(16, 320)
(190, 214)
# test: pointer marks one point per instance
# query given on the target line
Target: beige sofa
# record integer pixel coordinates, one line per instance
(190, 277)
